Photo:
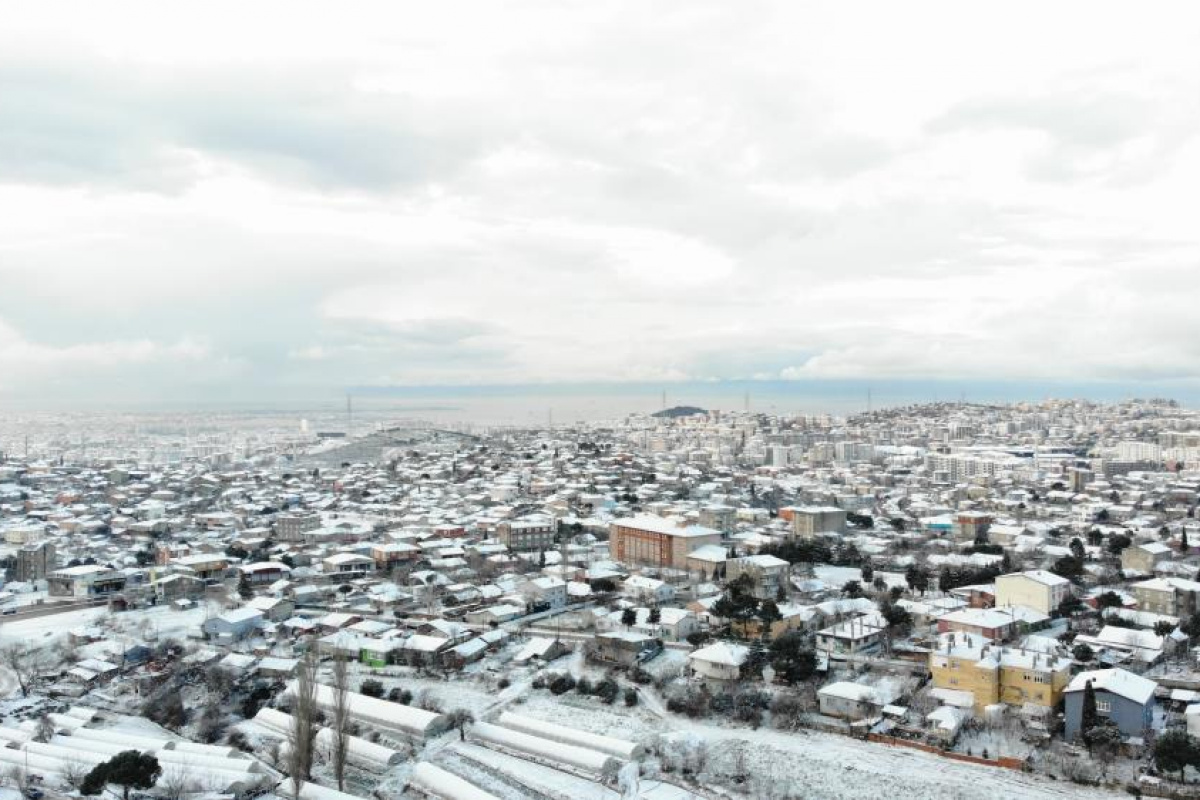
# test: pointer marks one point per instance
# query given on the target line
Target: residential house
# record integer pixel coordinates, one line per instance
(720, 661)
(1123, 697)
(234, 625)
(852, 701)
(855, 636)
(625, 648)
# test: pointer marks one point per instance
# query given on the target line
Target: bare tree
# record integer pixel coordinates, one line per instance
(73, 771)
(24, 663)
(459, 719)
(341, 720)
(302, 737)
(175, 783)
(45, 729)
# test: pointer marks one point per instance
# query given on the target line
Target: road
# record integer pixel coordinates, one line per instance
(49, 609)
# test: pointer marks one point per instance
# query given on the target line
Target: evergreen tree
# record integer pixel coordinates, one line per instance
(1088, 715)
(245, 590)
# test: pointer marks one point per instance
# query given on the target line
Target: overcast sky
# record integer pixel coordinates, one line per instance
(257, 199)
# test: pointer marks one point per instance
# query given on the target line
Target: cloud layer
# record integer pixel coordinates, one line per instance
(220, 202)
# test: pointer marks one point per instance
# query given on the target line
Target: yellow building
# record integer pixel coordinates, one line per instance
(995, 674)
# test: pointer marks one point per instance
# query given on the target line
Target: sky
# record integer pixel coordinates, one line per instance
(273, 200)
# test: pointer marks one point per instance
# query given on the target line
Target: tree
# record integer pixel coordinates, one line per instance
(1104, 737)
(371, 688)
(1163, 628)
(655, 615)
(129, 770)
(23, 661)
(792, 659)
(628, 618)
(303, 733)
(1083, 653)
(1068, 567)
(1183, 542)
(852, 589)
(1077, 550)
(917, 578)
(768, 615)
(1109, 599)
(1088, 714)
(1118, 542)
(867, 572)
(341, 721)
(244, 589)
(1175, 751)
(459, 719)
(1192, 626)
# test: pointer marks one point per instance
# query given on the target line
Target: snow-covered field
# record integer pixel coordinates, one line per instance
(775, 764)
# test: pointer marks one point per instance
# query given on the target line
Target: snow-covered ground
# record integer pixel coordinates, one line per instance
(775, 764)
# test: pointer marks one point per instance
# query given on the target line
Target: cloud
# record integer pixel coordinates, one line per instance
(215, 205)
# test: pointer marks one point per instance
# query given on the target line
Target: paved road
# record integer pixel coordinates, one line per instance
(49, 609)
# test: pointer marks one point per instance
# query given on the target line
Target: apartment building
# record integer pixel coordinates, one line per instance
(768, 573)
(996, 674)
(35, 561)
(1174, 597)
(1037, 589)
(527, 535)
(1143, 558)
(808, 521)
(290, 527)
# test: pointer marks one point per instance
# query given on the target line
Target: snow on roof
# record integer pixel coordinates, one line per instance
(848, 690)
(1039, 575)
(732, 655)
(1115, 681)
(649, 522)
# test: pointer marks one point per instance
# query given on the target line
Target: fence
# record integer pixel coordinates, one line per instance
(1006, 763)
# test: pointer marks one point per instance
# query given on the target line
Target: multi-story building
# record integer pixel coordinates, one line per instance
(768, 573)
(973, 525)
(289, 527)
(208, 567)
(35, 561)
(1037, 589)
(1142, 558)
(658, 542)
(808, 521)
(88, 580)
(996, 674)
(527, 535)
(1174, 597)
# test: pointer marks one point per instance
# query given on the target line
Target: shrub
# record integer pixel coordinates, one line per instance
(584, 686)
(371, 688)
(607, 690)
(631, 696)
(504, 683)
(562, 684)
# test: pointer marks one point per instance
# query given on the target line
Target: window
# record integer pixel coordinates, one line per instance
(1103, 706)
